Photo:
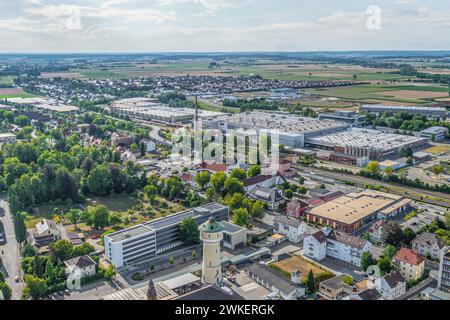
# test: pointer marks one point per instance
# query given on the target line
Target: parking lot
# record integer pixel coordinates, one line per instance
(420, 220)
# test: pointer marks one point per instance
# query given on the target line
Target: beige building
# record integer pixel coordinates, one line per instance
(211, 233)
(410, 264)
(234, 236)
(353, 211)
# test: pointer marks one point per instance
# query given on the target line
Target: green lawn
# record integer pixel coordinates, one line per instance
(6, 79)
(98, 74)
(361, 93)
(16, 95)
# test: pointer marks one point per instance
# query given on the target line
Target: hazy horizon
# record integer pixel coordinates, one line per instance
(172, 26)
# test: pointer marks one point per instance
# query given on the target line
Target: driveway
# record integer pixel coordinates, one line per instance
(10, 253)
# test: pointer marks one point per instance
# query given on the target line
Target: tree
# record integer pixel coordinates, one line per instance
(218, 181)
(151, 191)
(194, 254)
(35, 287)
(74, 216)
(348, 279)
(202, 179)
(366, 260)
(238, 173)
(20, 227)
(385, 265)
(437, 170)
(99, 216)
(373, 167)
(189, 232)
(62, 249)
(142, 149)
(409, 235)
(258, 210)
(253, 171)
(288, 194)
(28, 251)
(447, 220)
(6, 291)
(241, 217)
(99, 181)
(233, 185)
(393, 234)
(311, 282)
(50, 274)
(389, 251)
(210, 193)
(109, 273)
(235, 201)
(171, 260)
(83, 249)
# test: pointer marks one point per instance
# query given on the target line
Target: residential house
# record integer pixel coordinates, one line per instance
(214, 167)
(189, 179)
(366, 295)
(296, 207)
(391, 286)
(122, 140)
(339, 245)
(149, 145)
(428, 243)
(45, 233)
(376, 230)
(315, 245)
(275, 282)
(290, 227)
(82, 266)
(272, 197)
(267, 181)
(284, 168)
(410, 263)
(128, 156)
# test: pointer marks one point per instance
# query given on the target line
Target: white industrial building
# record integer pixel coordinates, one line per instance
(153, 110)
(141, 242)
(428, 112)
(293, 130)
(434, 133)
(365, 142)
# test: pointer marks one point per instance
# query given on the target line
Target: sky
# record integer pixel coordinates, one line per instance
(63, 26)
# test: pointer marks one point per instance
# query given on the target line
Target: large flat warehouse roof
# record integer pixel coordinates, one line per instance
(364, 138)
(285, 122)
(354, 207)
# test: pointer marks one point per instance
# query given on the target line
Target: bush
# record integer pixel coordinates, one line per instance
(137, 276)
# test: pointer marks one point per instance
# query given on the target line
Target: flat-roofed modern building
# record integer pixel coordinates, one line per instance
(293, 130)
(351, 117)
(444, 270)
(428, 112)
(152, 110)
(434, 133)
(353, 211)
(359, 142)
(151, 238)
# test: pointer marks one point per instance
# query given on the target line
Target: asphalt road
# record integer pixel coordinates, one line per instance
(10, 253)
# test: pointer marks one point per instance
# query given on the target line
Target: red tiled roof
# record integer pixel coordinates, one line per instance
(217, 167)
(186, 177)
(408, 256)
(320, 236)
